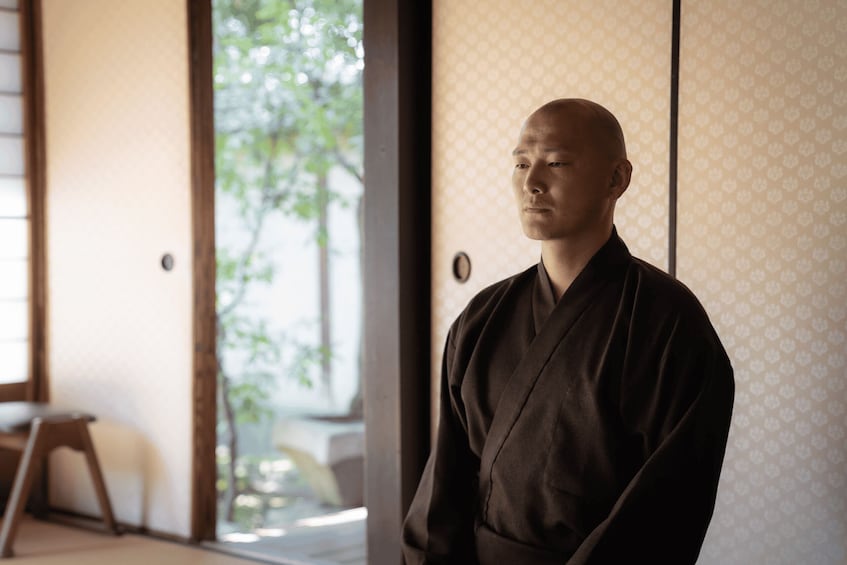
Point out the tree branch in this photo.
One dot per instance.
(348, 166)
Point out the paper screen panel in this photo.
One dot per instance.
(762, 238)
(494, 62)
(118, 198)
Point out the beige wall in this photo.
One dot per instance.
(762, 212)
(763, 243)
(118, 183)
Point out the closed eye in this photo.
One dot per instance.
(556, 164)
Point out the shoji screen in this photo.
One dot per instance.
(763, 243)
(118, 198)
(496, 61)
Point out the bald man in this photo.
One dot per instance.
(585, 402)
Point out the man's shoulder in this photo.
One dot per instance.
(666, 313)
(655, 280)
(486, 301)
(496, 290)
(666, 296)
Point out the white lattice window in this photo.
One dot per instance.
(14, 214)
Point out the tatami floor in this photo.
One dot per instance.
(45, 543)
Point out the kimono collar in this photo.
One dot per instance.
(609, 259)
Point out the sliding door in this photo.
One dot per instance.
(763, 243)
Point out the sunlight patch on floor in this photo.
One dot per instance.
(240, 537)
(343, 517)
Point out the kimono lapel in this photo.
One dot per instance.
(543, 299)
(603, 267)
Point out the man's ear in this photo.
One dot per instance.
(621, 175)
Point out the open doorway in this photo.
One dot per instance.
(289, 182)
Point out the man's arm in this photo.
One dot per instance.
(439, 525)
(683, 417)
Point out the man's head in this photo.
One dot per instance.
(570, 169)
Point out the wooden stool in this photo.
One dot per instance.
(36, 428)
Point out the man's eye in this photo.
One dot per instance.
(556, 164)
(521, 166)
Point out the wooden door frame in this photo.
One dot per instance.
(201, 111)
(396, 365)
(397, 276)
(35, 143)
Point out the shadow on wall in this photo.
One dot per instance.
(130, 465)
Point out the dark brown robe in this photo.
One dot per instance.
(591, 430)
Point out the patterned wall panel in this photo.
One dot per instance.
(496, 61)
(118, 193)
(763, 243)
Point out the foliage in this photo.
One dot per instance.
(288, 109)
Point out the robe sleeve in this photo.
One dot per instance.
(679, 408)
(439, 526)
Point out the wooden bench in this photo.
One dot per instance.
(35, 429)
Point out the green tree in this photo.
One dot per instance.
(288, 110)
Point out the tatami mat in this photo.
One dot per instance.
(46, 543)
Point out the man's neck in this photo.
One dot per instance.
(564, 259)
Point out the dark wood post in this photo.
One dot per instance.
(397, 77)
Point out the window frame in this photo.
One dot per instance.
(35, 387)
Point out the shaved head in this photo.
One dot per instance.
(570, 167)
(596, 122)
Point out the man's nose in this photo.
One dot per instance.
(533, 183)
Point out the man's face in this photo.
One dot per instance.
(563, 177)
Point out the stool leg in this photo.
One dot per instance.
(38, 496)
(23, 481)
(97, 477)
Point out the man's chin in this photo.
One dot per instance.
(537, 235)
(541, 231)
